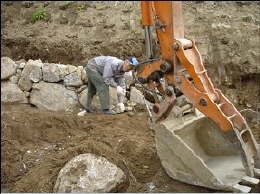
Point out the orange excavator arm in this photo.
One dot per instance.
(180, 65)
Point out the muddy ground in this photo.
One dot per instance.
(36, 144)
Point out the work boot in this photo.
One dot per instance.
(89, 111)
(109, 112)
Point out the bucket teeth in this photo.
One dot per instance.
(241, 188)
(250, 180)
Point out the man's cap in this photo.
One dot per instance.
(133, 61)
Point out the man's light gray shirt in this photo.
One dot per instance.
(109, 67)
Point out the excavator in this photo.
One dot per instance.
(201, 138)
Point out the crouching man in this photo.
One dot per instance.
(104, 72)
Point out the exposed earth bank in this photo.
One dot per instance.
(36, 144)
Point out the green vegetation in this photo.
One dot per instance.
(82, 7)
(39, 15)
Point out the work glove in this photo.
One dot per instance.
(120, 90)
(120, 108)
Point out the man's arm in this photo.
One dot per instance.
(108, 75)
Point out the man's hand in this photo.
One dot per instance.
(120, 90)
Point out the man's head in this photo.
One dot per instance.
(129, 64)
(133, 61)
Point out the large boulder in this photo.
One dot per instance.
(88, 173)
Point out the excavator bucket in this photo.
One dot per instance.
(192, 146)
(193, 150)
(206, 141)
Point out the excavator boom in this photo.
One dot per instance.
(201, 138)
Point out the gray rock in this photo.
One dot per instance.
(52, 96)
(8, 68)
(12, 93)
(90, 173)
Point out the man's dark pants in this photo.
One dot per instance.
(96, 84)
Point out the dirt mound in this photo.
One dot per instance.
(70, 32)
(36, 144)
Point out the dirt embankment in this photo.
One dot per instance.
(36, 144)
(226, 34)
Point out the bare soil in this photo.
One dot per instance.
(36, 144)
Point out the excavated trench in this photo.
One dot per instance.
(68, 51)
(237, 87)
